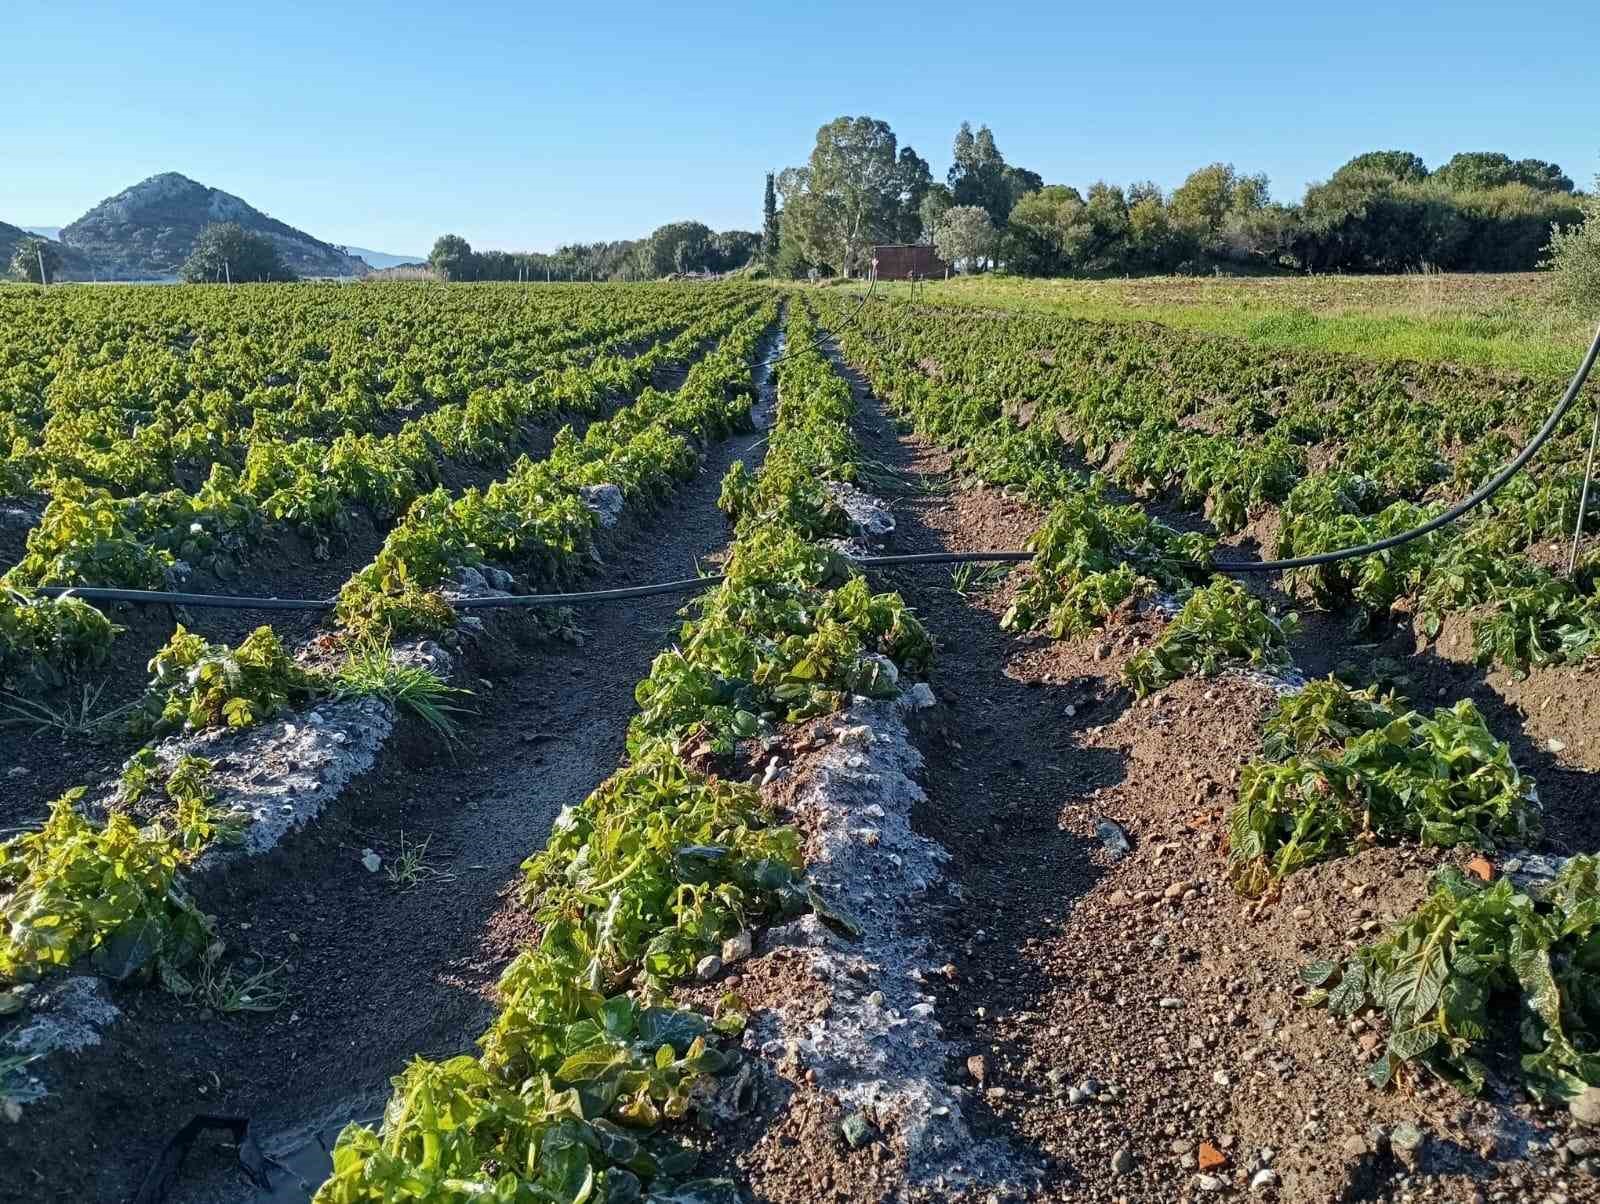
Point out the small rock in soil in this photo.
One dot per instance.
(1122, 1160)
(371, 860)
(857, 1131)
(1407, 1141)
(1585, 1107)
(1112, 837)
(736, 948)
(708, 967)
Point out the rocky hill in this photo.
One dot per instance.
(147, 231)
(75, 264)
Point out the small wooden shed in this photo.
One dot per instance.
(900, 261)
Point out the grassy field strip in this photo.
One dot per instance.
(1506, 323)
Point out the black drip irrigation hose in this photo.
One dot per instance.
(1470, 502)
(691, 584)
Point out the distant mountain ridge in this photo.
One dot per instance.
(373, 259)
(382, 259)
(146, 232)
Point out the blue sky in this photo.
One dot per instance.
(525, 125)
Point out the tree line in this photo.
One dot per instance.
(677, 247)
(1383, 211)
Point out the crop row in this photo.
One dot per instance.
(134, 392)
(89, 537)
(1340, 767)
(1322, 451)
(655, 870)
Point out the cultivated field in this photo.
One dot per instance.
(1109, 875)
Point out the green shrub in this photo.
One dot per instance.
(1574, 258)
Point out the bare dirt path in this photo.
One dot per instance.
(376, 973)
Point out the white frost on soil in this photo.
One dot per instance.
(606, 502)
(484, 582)
(284, 772)
(70, 1016)
(276, 776)
(869, 517)
(879, 1048)
(281, 774)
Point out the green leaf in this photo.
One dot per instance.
(128, 948)
(617, 1016)
(1316, 973)
(698, 1191)
(1347, 996)
(592, 1063)
(677, 1027)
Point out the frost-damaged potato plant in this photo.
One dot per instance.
(648, 875)
(1220, 626)
(792, 632)
(455, 1133)
(111, 892)
(41, 637)
(1092, 557)
(683, 861)
(197, 685)
(1472, 956)
(1344, 766)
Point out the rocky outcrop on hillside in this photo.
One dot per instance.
(147, 231)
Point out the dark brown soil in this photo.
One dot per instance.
(376, 973)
